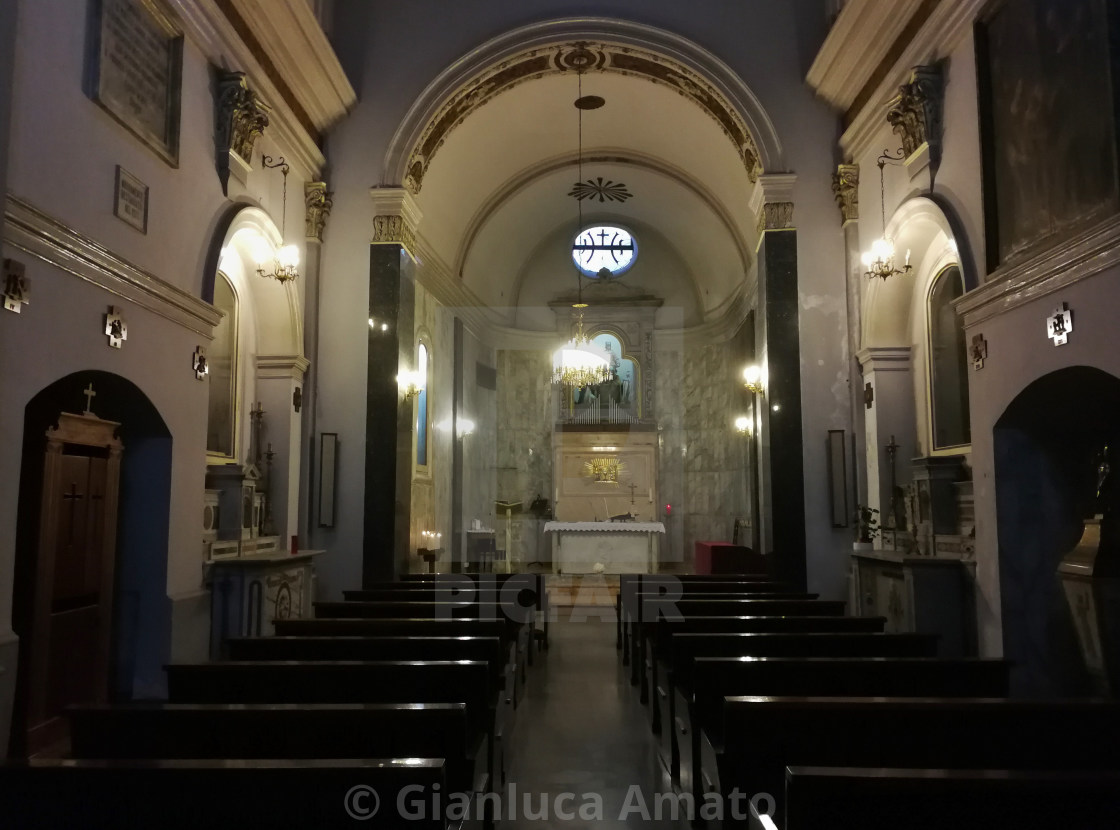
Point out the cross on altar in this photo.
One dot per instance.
(633, 487)
(90, 395)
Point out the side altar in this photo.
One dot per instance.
(620, 547)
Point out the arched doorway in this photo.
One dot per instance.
(56, 665)
(1046, 445)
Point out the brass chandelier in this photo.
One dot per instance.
(879, 261)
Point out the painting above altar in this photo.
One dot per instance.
(605, 547)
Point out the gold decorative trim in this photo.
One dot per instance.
(776, 216)
(30, 229)
(393, 230)
(845, 187)
(579, 56)
(318, 202)
(915, 114)
(241, 117)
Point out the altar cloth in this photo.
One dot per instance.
(605, 547)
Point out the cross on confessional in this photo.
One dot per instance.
(73, 497)
(90, 395)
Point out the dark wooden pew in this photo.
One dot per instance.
(489, 649)
(933, 799)
(629, 585)
(687, 608)
(60, 794)
(465, 682)
(534, 582)
(298, 731)
(407, 627)
(672, 679)
(764, 735)
(700, 716)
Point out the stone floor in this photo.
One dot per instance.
(582, 731)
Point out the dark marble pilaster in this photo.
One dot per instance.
(388, 479)
(778, 308)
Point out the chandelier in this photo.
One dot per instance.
(580, 362)
(879, 261)
(285, 262)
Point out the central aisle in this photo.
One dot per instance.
(581, 730)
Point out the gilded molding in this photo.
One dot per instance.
(393, 230)
(318, 202)
(777, 216)
(241, 117)
(845, 187)
(579, 56)
(916, 113)
(41, 235)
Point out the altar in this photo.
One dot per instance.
(620, 547)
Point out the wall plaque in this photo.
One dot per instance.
(130, 201)
(135, 69)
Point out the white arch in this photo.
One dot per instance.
(628, 33)
(276, 305)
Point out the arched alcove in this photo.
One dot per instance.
(1046, 444)
(141, 635)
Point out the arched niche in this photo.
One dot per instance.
(1045, 486)
(140, 642)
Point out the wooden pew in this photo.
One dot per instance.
(465, 682)
(631, 584)
(406, 627)
(488, 649)
(934, 799)
(297, 731)
(700, 735)
(64, 794)
(534, 582)
(687, 608)
(764, 735)
(672, 678)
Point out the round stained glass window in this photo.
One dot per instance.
(604, 251)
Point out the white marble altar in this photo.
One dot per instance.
(620, 547)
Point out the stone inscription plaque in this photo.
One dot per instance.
(137, 70)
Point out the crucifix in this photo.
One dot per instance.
(90, 395)
(868, 395)
(633, 487)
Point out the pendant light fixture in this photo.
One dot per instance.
(879, 261)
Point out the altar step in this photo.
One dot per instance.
(567, 590)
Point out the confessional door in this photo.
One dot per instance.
(71, 626)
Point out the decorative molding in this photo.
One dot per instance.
(240, 118)
(845, 187)
(396, 218)
(282, 366)
(318, 202)
(578, 56)
(884, 359)
(947, 25)
(917, 112)
(35, 232)
(842, 68)
(217, 37)
(297, 46)
(1055, 269)
(777, 216)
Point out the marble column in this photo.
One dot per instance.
(278, 378)
(389, 421)
(781, 446)
(317, 203)
(890, 413)
(845, 186)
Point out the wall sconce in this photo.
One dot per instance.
(464, 427)
(285, 262)
(743, 425)
(752, 379)
(409, 383)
